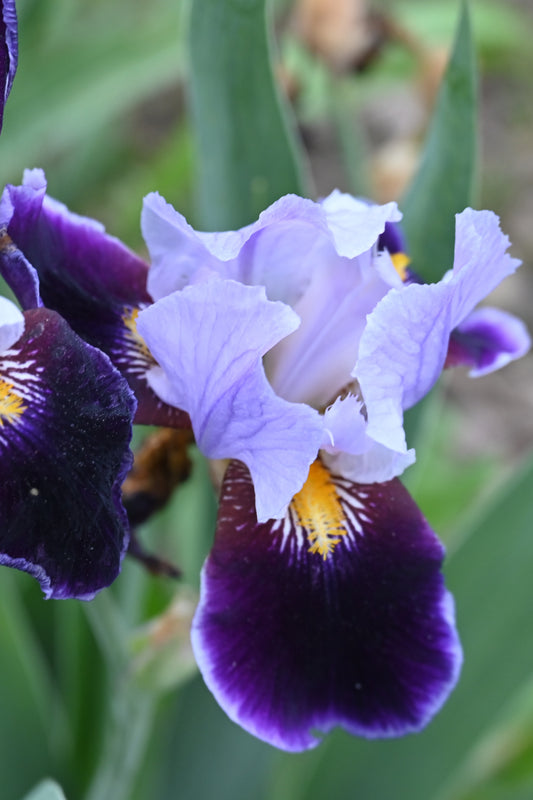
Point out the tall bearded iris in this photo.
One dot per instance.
(294, 345)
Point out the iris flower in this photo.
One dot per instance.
(65, 427)
(295, 346)
(292, 347)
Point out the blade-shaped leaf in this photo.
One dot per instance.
(247, 156)
(444, 183)
(47, 790)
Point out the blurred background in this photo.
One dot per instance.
(100, 102)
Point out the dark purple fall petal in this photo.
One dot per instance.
(18, 273)
(487, 340)
(8, 51)
(65, 428)
(293, 643)
(90, 278)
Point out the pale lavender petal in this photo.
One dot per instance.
(209, 340)
(349, 451)
(280, 251)
(315, 363)
(356, 225)
(481, 260)
(487, 340)
(377, 464)
(11, 324)
(403, 348)
(281, 258)
(345, 426)
(295, 635)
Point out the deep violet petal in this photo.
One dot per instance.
(293, 644)
(93, 280)
(65, 428)
(487, 340)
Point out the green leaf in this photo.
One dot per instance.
(444, 183)
(47, 790)
(247, 156)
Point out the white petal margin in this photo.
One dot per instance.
(404, 345)
(11, 324)
(209, 340)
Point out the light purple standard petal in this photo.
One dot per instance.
(356, 225)
(314, 364)
(209, 340)
(65, 428)
(487, 340)
(293, 642)
(280, 251)
(404, 345)
(277, 251)
(8, 51)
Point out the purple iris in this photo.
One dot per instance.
(65, 428)
(65, 425)
(294, 346)
(68, 263)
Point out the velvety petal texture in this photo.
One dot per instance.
(404, 345)
(89, 277)
(65, 428)
(336, 615)
(8, 51)
(209, 340)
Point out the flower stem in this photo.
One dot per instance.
(132, 712)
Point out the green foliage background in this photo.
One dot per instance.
(100, 102)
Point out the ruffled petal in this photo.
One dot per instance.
(405, 342)
(354, 224)
(349, 451)
(336, 615)
(487, 340)
(315, 363)
(8, 51)
(280, 251)
(209, 340)
(89, 277)
(345, 426)
(65, 428)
